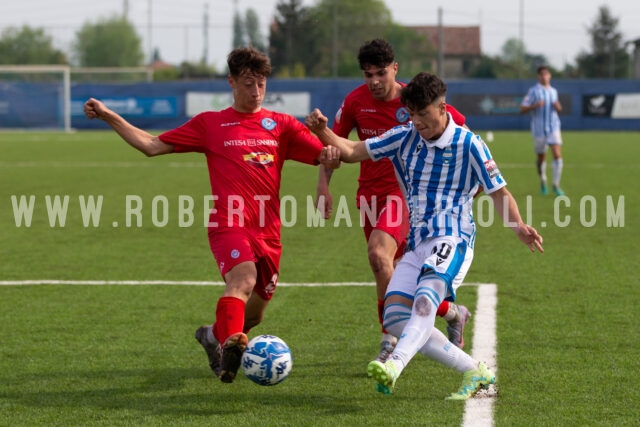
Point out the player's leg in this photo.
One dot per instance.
(397, 313)
(235, 257)
(230, 315)
(381, 248)
(540, 148)
(384, 231)
(557, 164)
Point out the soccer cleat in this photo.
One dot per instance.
(543, 189)
(211, 348)
(558, 191)
(455, 328)
(385, 374)
(473, 381)
(232, 356)
(386, 348)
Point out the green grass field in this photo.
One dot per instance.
(125, 355)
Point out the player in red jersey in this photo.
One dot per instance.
(245, 147)
(373, 108)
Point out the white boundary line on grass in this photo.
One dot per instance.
(478, 412)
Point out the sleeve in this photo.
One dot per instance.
(529, 98)
(344, 120)
(457, 116)
(386, 145)
(188, 137)
(484, 167)
(301, 145)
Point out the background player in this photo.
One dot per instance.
(542, 103)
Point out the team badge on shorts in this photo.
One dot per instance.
(268, 124)
(235, 253)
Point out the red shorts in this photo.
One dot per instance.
(231, 246)
(391, 216)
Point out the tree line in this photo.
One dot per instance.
(317, 41)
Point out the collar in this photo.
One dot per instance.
(445, 139)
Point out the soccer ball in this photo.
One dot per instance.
(267, 360)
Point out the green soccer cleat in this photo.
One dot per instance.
(558, 191)
(473, 381)
(385, 374)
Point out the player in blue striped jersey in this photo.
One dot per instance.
(541, 102)
(440, 165)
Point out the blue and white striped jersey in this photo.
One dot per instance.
(544, 120)
(439, 178)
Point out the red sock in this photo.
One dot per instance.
(229, 318)
(380, 313)
(443, 308)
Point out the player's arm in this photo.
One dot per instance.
(507, 208)
(139, 139)
(557, 106)
(350, 151)
(324, 199)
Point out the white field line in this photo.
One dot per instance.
(478, 412)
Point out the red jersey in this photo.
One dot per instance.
(245, 153)
(372, 117)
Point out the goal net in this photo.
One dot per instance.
(35, 97)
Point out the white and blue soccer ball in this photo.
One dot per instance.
(267, 360)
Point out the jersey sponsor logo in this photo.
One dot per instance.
(402, 115)
(264, 159)
(491, 168)
(268, 124)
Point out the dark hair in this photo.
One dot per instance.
(542, 68)
(377, 52)
(245, 60)
(422, 90)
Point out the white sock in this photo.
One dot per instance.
(441, 350)
(542, 171)
(429, 294)
(556, 168)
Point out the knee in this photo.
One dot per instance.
(379, 259)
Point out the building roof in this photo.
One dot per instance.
(462, 41)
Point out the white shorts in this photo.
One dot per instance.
(540, 143)
(445, 257)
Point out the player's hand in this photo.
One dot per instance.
(330, 157)
(316, 121)
(530, 237)
(94, 109)
(324, 202)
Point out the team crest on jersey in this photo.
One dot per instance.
(268, 123)
(402, 115)
(447, 155)
(263, 159)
